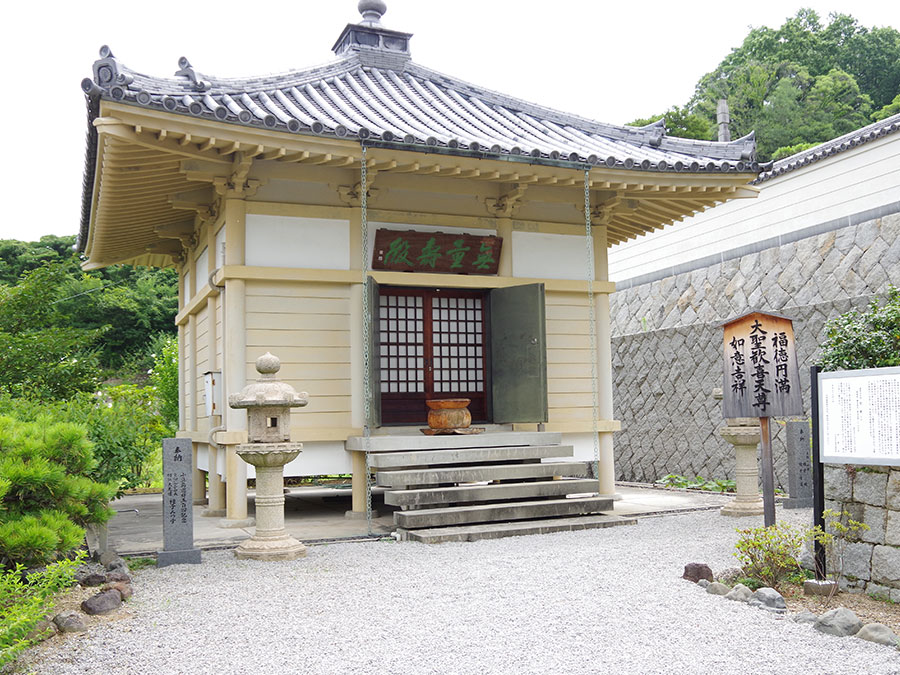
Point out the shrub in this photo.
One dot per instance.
(46, 494)
(770, 554)
(164, 377)
(25, 600)
(125, 426)
(868, 340)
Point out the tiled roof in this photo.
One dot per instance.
(378, 95)
(867, 134)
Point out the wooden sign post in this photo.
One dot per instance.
(761, 379)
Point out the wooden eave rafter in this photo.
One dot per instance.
(142, 155)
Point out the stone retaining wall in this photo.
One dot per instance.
(870, 495)
(667, 352)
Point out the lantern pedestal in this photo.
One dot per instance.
(745, 439)
(268, 403)
(270, 541)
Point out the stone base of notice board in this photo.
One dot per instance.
(190, 556)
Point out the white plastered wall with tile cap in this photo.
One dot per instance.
(855, 180)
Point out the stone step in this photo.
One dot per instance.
(409, 442)
(421, 458)
(492, 492)
(439, 535)
(486, 513)
(478, 474)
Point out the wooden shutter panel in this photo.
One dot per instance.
(518, 354)
(371, 290)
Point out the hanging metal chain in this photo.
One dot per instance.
(592, 319)
(367, 335)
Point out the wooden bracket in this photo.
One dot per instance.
(507, 204)
(237, 185)
(352, 196)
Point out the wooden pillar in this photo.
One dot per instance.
(234, 364)
(504, 231)
(607, 473)
(357, 364)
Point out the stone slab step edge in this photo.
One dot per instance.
(486, 513)
(424, 458)
(477, 474)
(439, 535)
(492, 492)
(404, 442)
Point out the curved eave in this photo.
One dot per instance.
(144, 159)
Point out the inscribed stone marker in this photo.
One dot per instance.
(799, 466)
(178, 515)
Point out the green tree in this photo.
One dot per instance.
(41, 357)
(869, 339)
(891, 108)
(680, 122)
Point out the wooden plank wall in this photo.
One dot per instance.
(306, 325)
(570, 396)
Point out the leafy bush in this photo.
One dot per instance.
(770, 554)
(122, 422)
(164, 377)
(864, 340)
(46, 495)
(698, 483)
(26, 600)
(125, 425)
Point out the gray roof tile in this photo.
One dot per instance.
(387, 99)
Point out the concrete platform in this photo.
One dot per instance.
(315, 515)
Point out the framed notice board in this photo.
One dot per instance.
(859, 416)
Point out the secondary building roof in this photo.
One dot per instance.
(373, 93)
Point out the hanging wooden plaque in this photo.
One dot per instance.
(761, 377)
(412, 251)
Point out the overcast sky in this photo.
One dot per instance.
(611, 61)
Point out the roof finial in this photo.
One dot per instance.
(372, 11)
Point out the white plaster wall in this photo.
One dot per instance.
(288, 241)
(187, 288)
(549, 256)
(316, 459)
(320, 459)
(853, 181)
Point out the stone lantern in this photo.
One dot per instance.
(743, 434)
(268, 403)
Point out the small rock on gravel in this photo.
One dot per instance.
(739, 593)
(696, 571)
(124, 589)
(703, 583)
(43, 629)
(107, 557)
(717, 589)
(805, 617)
(768, 599)
(70, 622)
(94, 579)
(102, 603)
(841, 622)
(878, 632)
(119, 576)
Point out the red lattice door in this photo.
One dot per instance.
(431, 345)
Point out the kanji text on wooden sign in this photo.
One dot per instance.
(762, 377)
(435, 252)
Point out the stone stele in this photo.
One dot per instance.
(268, 403)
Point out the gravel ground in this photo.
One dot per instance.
(586, 602)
